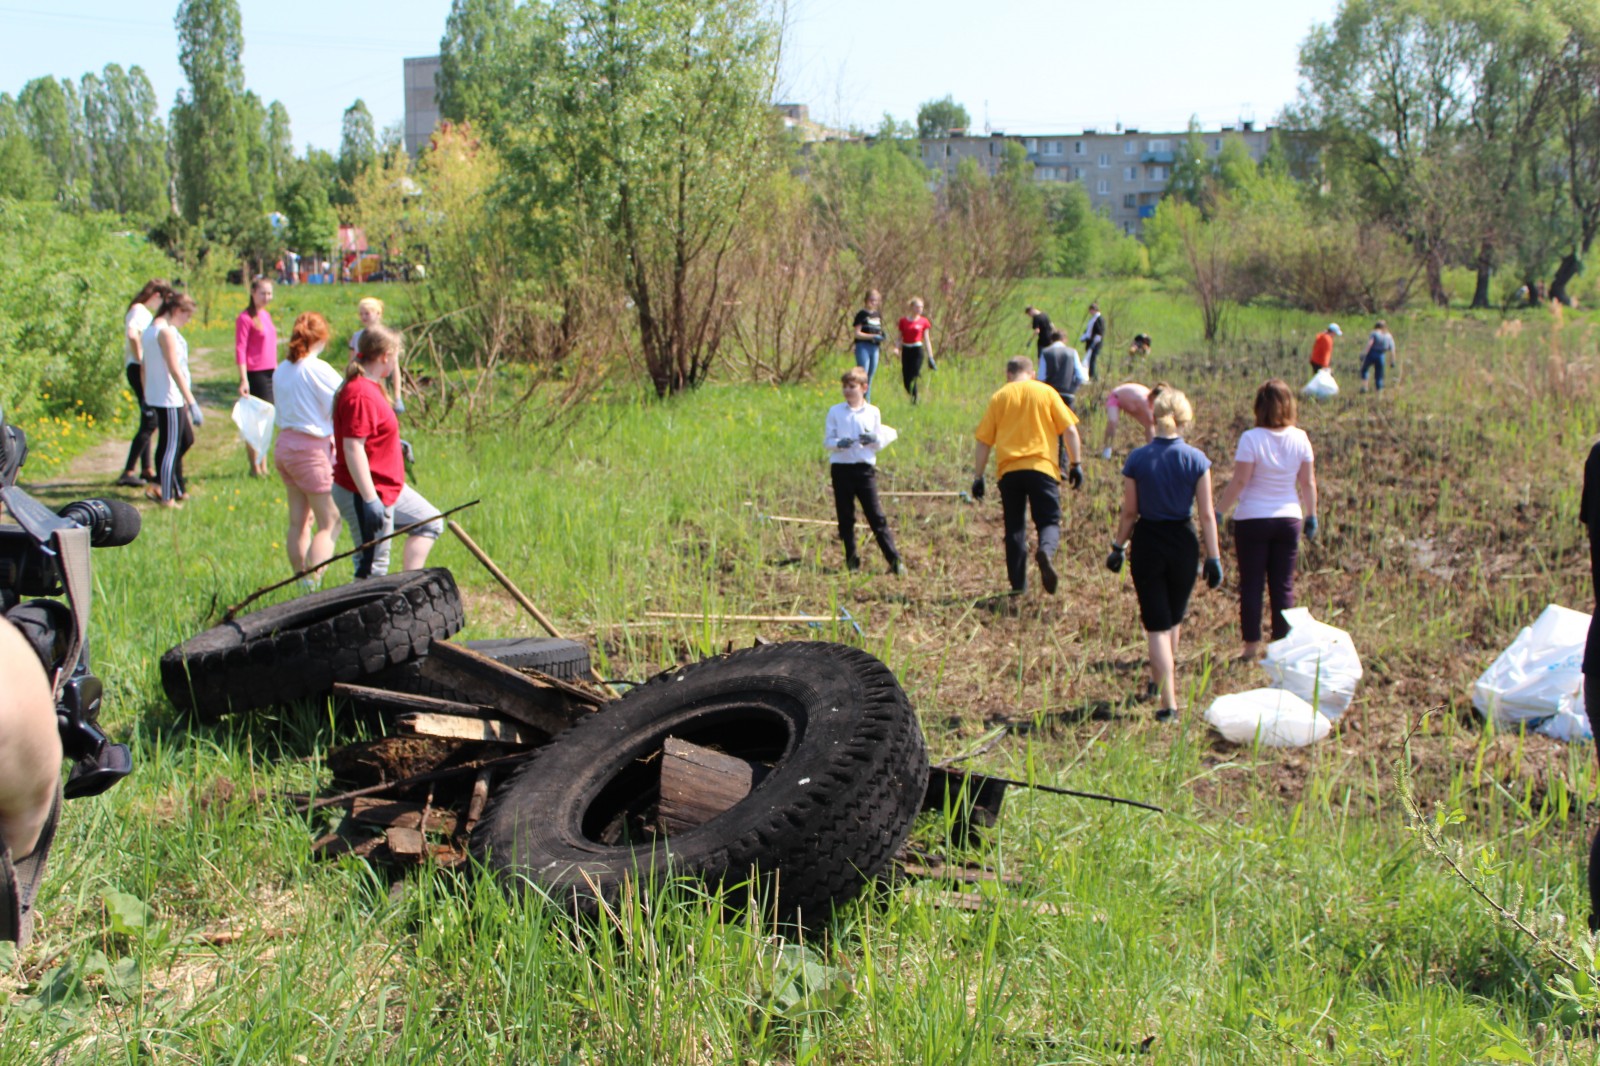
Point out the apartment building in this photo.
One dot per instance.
(422, 104)
(1125, 171)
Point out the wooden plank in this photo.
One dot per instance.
(404, 843)
(383, 699)
(371, 810)
(511, 693)
(457, 727)
(697, 783)
(336, 844)
(480, 799)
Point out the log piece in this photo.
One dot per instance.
(453, 726)
(511, 693)
(382, 699)
(405, 843)
(394, 814)
(697, 783)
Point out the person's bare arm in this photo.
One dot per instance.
(1306, 482)
(1208, 515)
(136, 345)
(1074, 445)
(355, 460)
(1129, 513)
(169, 352)
(980, 459)
(1242, 472)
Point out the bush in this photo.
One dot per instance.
(65, 282)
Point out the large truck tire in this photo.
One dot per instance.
(845, 772)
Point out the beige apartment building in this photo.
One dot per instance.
(1125, 171)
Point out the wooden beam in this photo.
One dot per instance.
(383, 699)
(456, 727)
(396, 814)
(509, 692)
(697, 783)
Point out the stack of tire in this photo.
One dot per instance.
(842, 758)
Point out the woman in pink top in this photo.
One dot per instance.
(1135, 399)
(255, 349)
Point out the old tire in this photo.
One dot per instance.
(564, 659)
(848, 769)
(299, 649)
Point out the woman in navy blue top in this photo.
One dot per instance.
(1162, 483)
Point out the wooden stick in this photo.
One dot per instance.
(500, 576)
(409, 782)
(881, 494)
(793, 619)
(228, 615)
(807, 521)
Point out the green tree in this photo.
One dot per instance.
(480, 38)
(278, 149)
(313, 228)
(1191, 170)
(936, 118)
(23, 174)
(211, 140)
(358, 143)
(52, 113)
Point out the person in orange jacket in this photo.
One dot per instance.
(1322, 347)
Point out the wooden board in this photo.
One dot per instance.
(510, 693)
(697, 784)
(457, 727)
(383, 699)
(374, 810)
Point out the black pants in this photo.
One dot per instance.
(1094, 354)
(859, 481)
(911, 367)
(1591, 705)
(176, 437)
(260, 382)
(1020, 491)
(1268, 549)
(139, 450)
(1164, 557)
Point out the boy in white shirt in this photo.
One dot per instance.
(854, 433)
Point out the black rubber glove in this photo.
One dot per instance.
(1075, 476)
(1213, 572)
(407, 453)
(369, 517)
(1311, 527)
(1114, 560)
(977, 487)
(868, 439)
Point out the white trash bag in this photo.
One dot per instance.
(254, 416)
(1275, 717)
(1538, 680)
(1321, 386)
(1315, 661)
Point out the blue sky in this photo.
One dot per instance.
(1029, 66)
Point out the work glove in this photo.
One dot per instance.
(370, 518)
(868, 439)
(1213, 572)
(931, 364)
(977, 487)
(1311, 527)
(844, 443)
(1075, 476)
(195, 416)
(1114, 560)
(399, 406)
(407, 454)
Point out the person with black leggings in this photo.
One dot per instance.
(1589, 515)
(255, 349)
(140, 468)
(853, 433)
(166, 389)
(1162, 483)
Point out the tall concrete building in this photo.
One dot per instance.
(422, 105)
(1125, 171)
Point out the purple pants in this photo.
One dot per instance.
(1267, 549)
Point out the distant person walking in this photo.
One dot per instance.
(1041, 326)
(914, 347)
(1093, 337)
(853, 433)
(1162, 483)
(1021, 424)
(166, 388)
(1589, 515)
(140, 468)
(1275, 485)
(1062, 370)
(867, 335)
(255, 349)
(1322, 347)
(1133, 399)
(303, 454)
(369, 309)
(1380, 350)
(369, 474)
(1140, 345)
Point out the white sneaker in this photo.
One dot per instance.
(1106, 454)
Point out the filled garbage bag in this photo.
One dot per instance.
(254, 416)
(1538, 680)
(1273, 717)
(1316, 661)
(1321, 386)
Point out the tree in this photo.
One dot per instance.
(358, 143)
(211, 142)
(936, 118)
(1578, 144)
(23, 174)
(278, 150)
(52, 113)
(313, 228)
(480, 37)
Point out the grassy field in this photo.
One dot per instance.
(1279, 912)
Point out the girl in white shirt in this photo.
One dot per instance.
(140, 469)
(304, 387)
(1275, 485)
(166, 388)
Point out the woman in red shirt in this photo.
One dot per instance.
(369, 471)
(255, 349)
(914, 346)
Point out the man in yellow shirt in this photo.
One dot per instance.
(1022, 424)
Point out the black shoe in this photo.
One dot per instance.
(897, 568)
(1149, 694)
(852, 562)
(1047, 571)
(130, 481)
(1166, 714)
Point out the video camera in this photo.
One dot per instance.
(46, 553)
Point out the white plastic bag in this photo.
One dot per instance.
(1321, 386)
(254, 416)
(1315, 661)
(1539, 677)
(1273, 716)
(887, 435)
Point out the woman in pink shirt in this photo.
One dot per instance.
(255, 349)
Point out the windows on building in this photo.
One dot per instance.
(1216, 144)
(1128, 200)
(1052, 147)
(1158, 173)
(1031, 144)
(1077, 147)
(1160, 146)
(1130, 173)
(1105, 159)
(1130, 147)
(1077, 173)
(1103, 187)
